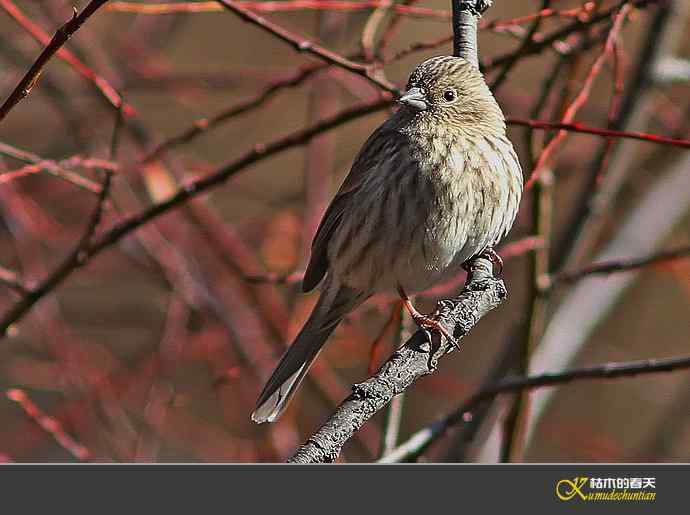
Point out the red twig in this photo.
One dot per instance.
(614, 109)
(50, 166)
(54, 47)
(581, 98)
(289, 6)
(599, 131)
(49, 424)
(59, 169)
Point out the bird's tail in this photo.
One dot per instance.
(332, 306)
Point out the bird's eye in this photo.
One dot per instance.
(450, 95)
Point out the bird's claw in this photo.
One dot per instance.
(429, 324)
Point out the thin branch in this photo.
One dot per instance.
(341, 6)
(59, 169)
(420, 46)
(26, 84)
(421, 440)
(299, 43)
(599, 131)
(49, 424)
(600, 189)
(97, 214)
(416, 358)
(203, 125)
(371, 28)
(581, 13)
(622, 265)
(392, 29)
(508, 66)
(404, 328)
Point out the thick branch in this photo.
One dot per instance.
(416, 358)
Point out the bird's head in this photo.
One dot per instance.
(448, 93)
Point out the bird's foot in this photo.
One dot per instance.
(431, 324)
(426, 322)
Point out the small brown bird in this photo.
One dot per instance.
(433, 187)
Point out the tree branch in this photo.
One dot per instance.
(415, 359)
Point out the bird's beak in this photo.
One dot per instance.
(414, 98)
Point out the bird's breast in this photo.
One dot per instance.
(415, 224)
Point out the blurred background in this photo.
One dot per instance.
(156, 348)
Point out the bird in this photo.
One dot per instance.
(435, 186)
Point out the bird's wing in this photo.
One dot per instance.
(378, 150)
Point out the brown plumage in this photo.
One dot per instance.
(434, 186)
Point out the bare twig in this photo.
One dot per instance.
(621, 265)
(37, 163)
(97, 214)
(31, 77)
(301, 44)
(203, 125)
(49, 424)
